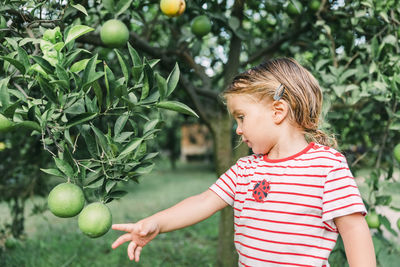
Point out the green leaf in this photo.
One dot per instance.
(109, 5)
(90, 70)
(89, 140)
(76, 108)
(122, 5)
(117, 194)
(173, 79)
(122, 137)
(64, 167)
(162, 85)
(62, 73)
(23, 58)
(67, 137)
(46, 66)
(124, 67)
(18, 65)
(53, 172)
(109, 80)
(4, 94)
(147, 81)
(99, 93)
(81, 118)
(96, 183)
(134, 56)
(131, 146)
(80, 8)
(28, 125)
(72, 56)
(110, 185)
(145, 169)
(79, 65)
(120, 124)
(150, 125)
(176, 106)
(10, 110)
(102, 139)
(77, 31)
(48, 90)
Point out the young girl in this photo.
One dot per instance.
(291, 198)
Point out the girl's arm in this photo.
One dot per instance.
(187, 212)
(357, 240)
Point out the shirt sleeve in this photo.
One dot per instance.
(225, 186)
(341, 195)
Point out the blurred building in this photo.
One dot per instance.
(196, 142)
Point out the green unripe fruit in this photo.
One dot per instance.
(95, 220)
(5, 124)
(201, 25)
(373, 220)
(294, 8)
(114, 33)
(314, 5)
(66, 200)
(396, 152)
(11, 243)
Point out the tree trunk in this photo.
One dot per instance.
(17, 212)
(221, 130)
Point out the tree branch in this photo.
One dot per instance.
(235, 46)
(275, 45)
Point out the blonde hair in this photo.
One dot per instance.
(301, 91)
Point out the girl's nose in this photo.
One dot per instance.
(239, 131)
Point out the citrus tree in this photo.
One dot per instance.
(351, 47)
(94, 121)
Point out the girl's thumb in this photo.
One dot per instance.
(144, 232)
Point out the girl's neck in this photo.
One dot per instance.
(289, 143)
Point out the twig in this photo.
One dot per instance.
(45, 147)
(54, 140)
(76, 141)
(21, 90)
(351, 59)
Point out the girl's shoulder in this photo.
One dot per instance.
(322, 151)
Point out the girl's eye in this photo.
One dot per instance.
(240, 118)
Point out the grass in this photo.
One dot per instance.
(53, 241)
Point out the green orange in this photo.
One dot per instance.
(66, 200)
(396, 152)
(373, 220)
(95, 220)
(5, 124)
(294, 8)
(201, 25)
(314, 5)
(114, 33)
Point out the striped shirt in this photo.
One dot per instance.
(284, 209)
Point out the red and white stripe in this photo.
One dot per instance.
(294, 225)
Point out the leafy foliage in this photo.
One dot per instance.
(95, 124)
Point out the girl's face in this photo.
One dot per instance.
(254, 122)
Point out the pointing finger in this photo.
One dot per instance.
(120, 240)
(127, 227)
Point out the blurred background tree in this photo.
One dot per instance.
(352, 47)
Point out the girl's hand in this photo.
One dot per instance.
(139, 234)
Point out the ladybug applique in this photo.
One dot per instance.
(260, 190)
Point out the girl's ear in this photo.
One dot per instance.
(280, 110)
